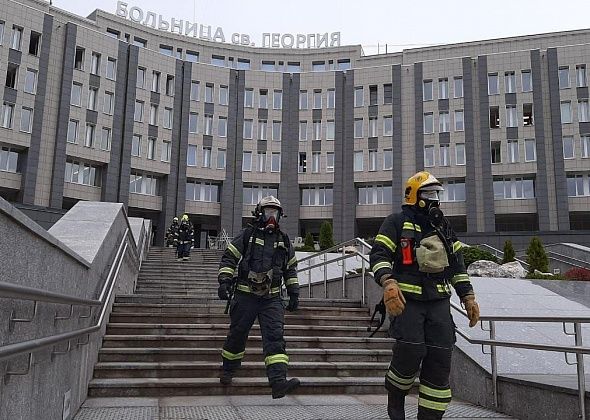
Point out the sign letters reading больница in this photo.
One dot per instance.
(197, 30)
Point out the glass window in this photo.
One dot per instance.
(317, 130)
(585, 145)
(79, 59)
(513, 155)
(372, 126)
(136, 145)
(195, 90)
(156, 81)
(387, 159)
(76, 96)
(330, 162)
(73, 131)
(293, 67)
(193, 122)
(217, 60)
(459, 122)
(140, 82)
(1, 32)
(581, 79)
(583, 114)
(105, 139)
(208, 125)
(510, 82)
(427, 90)
(331, 99)
(568, 147)
(330, 130)
(428, 156)
(358, 128)
(138, 115)
(303, 99)
(530, 150)
(387, 93)
(527, 115)
(315, 162)
(192, 56)
(17, 36)
(373, 95)
(206, 157)
(566, 112)
(268, 66)
(151, 148)
(95, 63)
(248, 129)
(7, 115)
(302, 130)
(494, 117)
(209, 92)
(167, 123)
(275, 164)
(111, 72)
(388, 125)
(31, 81)
(318, 66)
(302, 167)
(358, 161)
(222, 127)
(247, 161)
(317, 99)
(277, 100)
(444, 124)
(12, 76)
(249, 98)
(263, 99)
(109, 103)
(444, 159)
(358, 96)
(428, 123)
(262, 129)
(458, 87)
(166, 50)
(221, 158)
(223, 95)
(493, 88)
(564, 77)
(372, 160)
(496, 151)
(153, 114)
(277, 128)
(443, 88)
(92, 95)
(26, 119)
(460, 154)
(511, 116)
(166, 151)
(527, 81)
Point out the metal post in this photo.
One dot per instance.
(325, 277)
(363, 270)
(494, 364)
(343, 273)
(309, 277)
(581, 377)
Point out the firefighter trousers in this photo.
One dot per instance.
(244, 309)
(425, 335)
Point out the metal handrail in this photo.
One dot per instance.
(12, 350)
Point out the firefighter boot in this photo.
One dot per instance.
(226, 377)
(428, 414)
(395, 406)
(280, 389)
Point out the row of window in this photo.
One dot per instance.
(514, 188)
(137, 147)
(202, 191)
(7, 117)
(82, 173)
(16, 39)
(91, 138)
(578, 185)
(108, 103)
(167, 116)
(8, 159)
(567, 114)
(30, 82)
(513, 151)
(569, 147)
(443, 88)
(142, 183)
(191, 157)
(443, 153)
(564, 76)
(261, 162)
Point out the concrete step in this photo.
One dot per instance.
(178, 354)
(162, 298)
(198, 370)
(222, 329)
(206, 290)
(255, 341)
(178, 283)
(160, 387)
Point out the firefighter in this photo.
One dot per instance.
(261, 257)
(184, 236)
(171, 233)
(416, 257)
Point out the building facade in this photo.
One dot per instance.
(103, 108)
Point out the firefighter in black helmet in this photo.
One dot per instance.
(260, 258)
(417, 258)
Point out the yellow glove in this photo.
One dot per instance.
(472, 309)
(392, 297)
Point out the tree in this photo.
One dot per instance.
(536, 257)
(509, 254)
(472, 254)
(309, 243)
(326, 235)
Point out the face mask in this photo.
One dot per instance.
(270, 218)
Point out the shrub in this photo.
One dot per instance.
(509, 254)
(472, 254)
(578, 273)
(539, 276)
(536, 257)
(326, 235)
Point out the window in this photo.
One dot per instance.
(138, 115)
(247, 129)
(575, 185)
(495, 149)
(95, 63)
(79, 59)
(109, 103)
(26, 119)
(76, 96)
(513, 156)
(509, 82)
(1, 32)
(138, 42)
(277, 99)
(358, 96)
(89, 139)
(568, 147)
(530, 150)
(317, 196)
(277, 128)
(511, 116)
(317, 130)
(136, 145)
(330, 162)
(202, 191)
(459, 121)
(243, 64)
(167, 123)
(263, 99)
(222, 127)
(387, 94)
(247, 161)
(261, 162)
(82, 173)
(460, 154)
(252, 195)
(153, 114)
(358, 128)
(105, 139)
(151, 147)
(318, 66)
(330, 130)
(111, 68)
(331, 99)
(302, 165)
(317, 99)
(17, 36)
(31, 81)
(8, 157)
(493, 88)
(585, 146)
(113, 33)
(374, 194)
(513, 188)
(344, 64)
(458, 87)
(206, 157)
(303, 99)
(166, 50)
(193, 122)
(527, 115)
(581, 79)
(372, 160)
(564, 77)
(166, 151)
(73, 132)
(262, 129)
(387, 159)
(192, 56)
(388, 125)
(275, 162)
(208, 125)
(583, 114)
(453, 191)
(248, 98)
(140, 82)
(218, 60)
(428, 123)
(11, 75)
(527, 81)
(427, 90)
(443, 155)
(169, 85)
(34, 42)
(443, 88)
(428, 156)
(92, 95)
(195, 90)
(494, 117)
(209, 88)
(221, 158)
(373, 95)
(156, 81)
(373, 127)
(141, 183)
(444, 123)
(566, 112)
(315, 162)
(7, 115)
(358, 161)
(191, 155)
(302, 130)
(268, 66)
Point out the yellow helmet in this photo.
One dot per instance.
(185, 217)
(418, 181)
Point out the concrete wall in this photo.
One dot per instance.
(73, 258)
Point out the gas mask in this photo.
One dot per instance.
(429, 203)
(270, 218)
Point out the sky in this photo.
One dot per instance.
(400, 24)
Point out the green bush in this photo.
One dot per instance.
(326, 235)
(538, 276)
(536, 257)
(308, 241)
(472, 254)
(509, 254)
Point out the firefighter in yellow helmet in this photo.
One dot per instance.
(416, 258)
(184, 235)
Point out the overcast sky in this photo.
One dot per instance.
(401, 24)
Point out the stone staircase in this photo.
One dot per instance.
(166, 339)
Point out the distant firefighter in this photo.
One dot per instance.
(184, 236)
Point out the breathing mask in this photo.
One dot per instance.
(270, 218)
(429, 203)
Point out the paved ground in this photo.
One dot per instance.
(301, 407)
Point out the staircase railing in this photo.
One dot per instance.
(219, 242)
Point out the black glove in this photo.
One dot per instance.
(293, 302)
(224, 290)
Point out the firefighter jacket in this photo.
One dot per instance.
(256, 250)
(171, 232)
(185, 233)
(407, 228)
